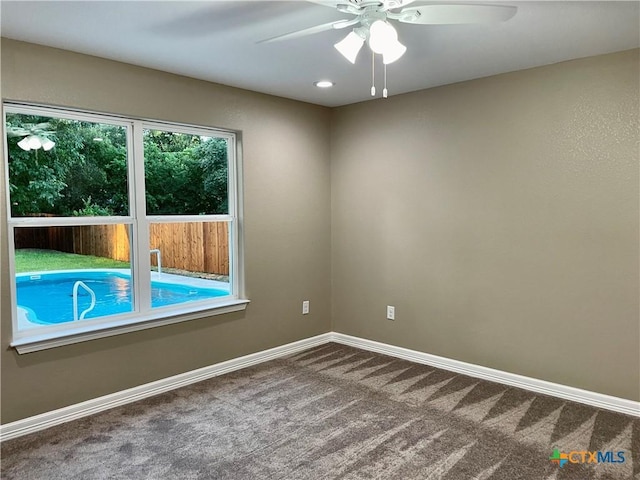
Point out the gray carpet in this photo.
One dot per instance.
(333, 412)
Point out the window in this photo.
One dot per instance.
(117, 223)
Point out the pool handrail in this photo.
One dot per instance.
(158, 258)
(76, 285)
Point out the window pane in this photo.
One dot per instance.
(57, 267)
(185, 174)
(62, 167)
(189, 262)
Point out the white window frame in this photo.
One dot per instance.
(143, 315)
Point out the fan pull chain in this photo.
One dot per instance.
(373, 74)
(384, 90)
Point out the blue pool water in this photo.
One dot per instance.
(48, 297)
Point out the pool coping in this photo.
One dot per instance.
(155, 276)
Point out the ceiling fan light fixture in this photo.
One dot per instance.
(393, 52)
(381, 36)
(35, 142)
(350, 46)
(24, 144)
(47, 144)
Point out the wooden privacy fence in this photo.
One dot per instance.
(111, 241)
(196, 246)
(193, 246)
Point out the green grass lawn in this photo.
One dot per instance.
(33, 260)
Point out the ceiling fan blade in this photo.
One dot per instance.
(452, 14)
(327, 3)
(312, 30)
(395, 4)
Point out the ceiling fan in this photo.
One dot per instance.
(372, 24)
(36, 136)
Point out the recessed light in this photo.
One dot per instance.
(324, 84)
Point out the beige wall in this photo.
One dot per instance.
(286, 206)
(500, 217)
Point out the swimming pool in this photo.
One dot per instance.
(47, 298)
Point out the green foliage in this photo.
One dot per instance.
(91, 209)
(186, 176)
(100, 158)
(212, 157)
(36, 180)
(85, 174)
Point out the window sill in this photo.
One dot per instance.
(77, 335)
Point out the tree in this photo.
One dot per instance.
(185, 175)
(36, 179)
(100, 171)
(212, 156)
(86, 172)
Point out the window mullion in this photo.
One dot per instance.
(234, 199)
(189, 218)
(140, 245)
(67, 221)
(12, 272)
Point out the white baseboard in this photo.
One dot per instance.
(600, 400)
(100, 404)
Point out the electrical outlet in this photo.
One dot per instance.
(305, 307)
(391, 312)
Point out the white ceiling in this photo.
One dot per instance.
(216, 41)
